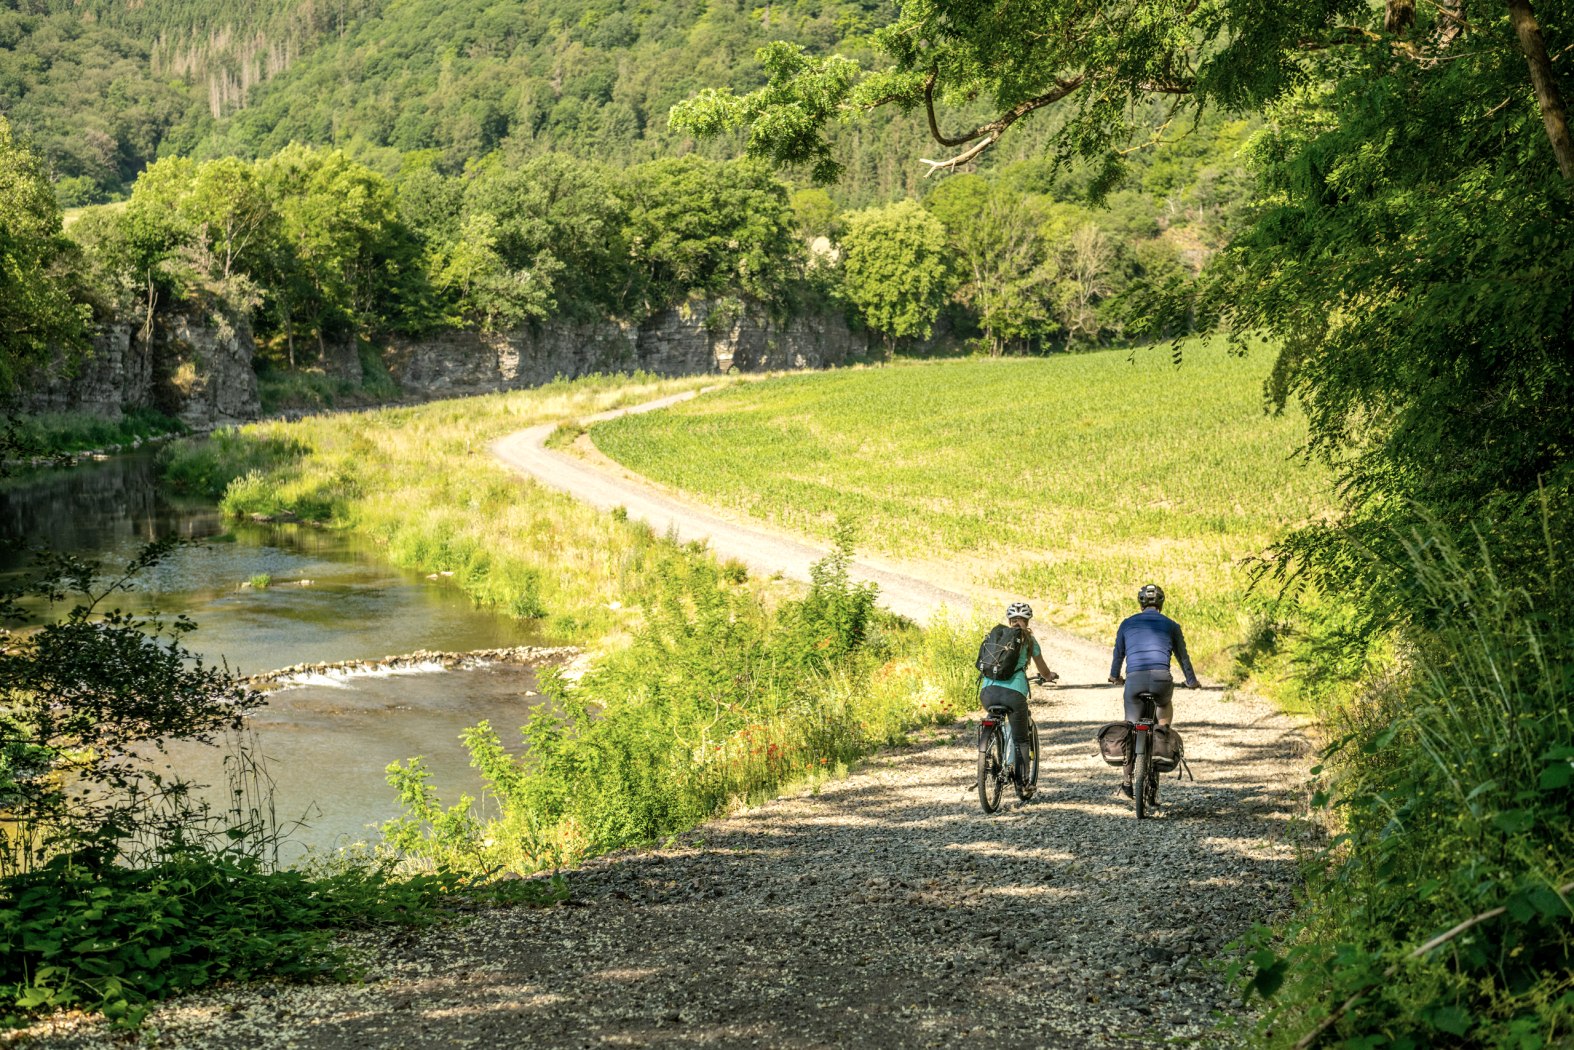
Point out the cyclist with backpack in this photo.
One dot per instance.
(1002, 667)
(1145, 642)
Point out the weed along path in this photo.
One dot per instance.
(882, 910)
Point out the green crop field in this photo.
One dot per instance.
(1067, 480)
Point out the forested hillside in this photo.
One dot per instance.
(106, 88)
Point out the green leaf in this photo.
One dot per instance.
(1268, 979)
(1548, 903)
(1455, 1020)
(1556, 777)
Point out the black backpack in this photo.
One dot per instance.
(1000, 652)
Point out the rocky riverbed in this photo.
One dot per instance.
(421, 659)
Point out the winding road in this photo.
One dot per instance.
(882, 910)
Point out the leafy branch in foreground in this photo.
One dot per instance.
(84, 702)
(1110, 64)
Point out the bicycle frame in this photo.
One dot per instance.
(1146, 787)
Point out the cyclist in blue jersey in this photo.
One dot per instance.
(1145, 643)
(1012, 693)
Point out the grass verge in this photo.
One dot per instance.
(1070, 480)
(53, 434)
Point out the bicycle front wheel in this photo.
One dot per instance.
(991, 771)
(1027, 783)
(1139, 783)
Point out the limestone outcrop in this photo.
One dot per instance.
(696, 338)
(196, 365)
(192, 365)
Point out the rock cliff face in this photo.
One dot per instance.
(116, 375)
(193, 366)
(203, 371)
(197, 365)
(700, 337)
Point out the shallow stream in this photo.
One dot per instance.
(329, 597)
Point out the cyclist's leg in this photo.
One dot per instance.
(1164, 700)
(1016, 709)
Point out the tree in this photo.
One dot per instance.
(347, 261)
(696, 225)
(1008, 274)
(558, 225)
(39, 311)
(1107, 62)
(894, 269)
(1086, 258)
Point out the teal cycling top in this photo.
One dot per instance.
(1017, 681)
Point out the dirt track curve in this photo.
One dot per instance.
(884, 911)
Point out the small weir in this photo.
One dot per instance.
(315, 636)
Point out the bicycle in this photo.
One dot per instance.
(998, 761)
(1144, 779)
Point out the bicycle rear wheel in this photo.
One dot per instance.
(1140, 776)
(1027, 784)
(992, 771)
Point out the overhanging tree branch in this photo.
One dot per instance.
(986, 135)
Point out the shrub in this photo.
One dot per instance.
(719, 700)
(1451, 786)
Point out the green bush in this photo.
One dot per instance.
(114, 940)
(1453, 789)
(718, 701)
(207, 466)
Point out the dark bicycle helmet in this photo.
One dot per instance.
(1151, 595)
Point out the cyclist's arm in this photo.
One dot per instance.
(1184, 658)
(1120, 654)
(1043, 668)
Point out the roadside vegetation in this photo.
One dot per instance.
(1069, 481)
(710, 688)
(117, 887)
(722, 698)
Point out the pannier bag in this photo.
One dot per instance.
(1112, 742)
(999, 653)
(1167, 747)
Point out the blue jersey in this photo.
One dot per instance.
(1145, 642)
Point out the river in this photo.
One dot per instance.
(330, 597)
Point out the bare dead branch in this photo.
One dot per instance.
(986, 135)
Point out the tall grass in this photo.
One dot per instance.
(1071, 480)
(60, 433)
(422, 482)
(720, 700)
(1451, 786)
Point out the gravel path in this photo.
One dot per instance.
(885, 910)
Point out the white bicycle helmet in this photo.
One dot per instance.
(1022, 609)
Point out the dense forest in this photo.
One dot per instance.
(479, 135)
(105, 88)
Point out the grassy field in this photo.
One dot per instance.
(1068, 480)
